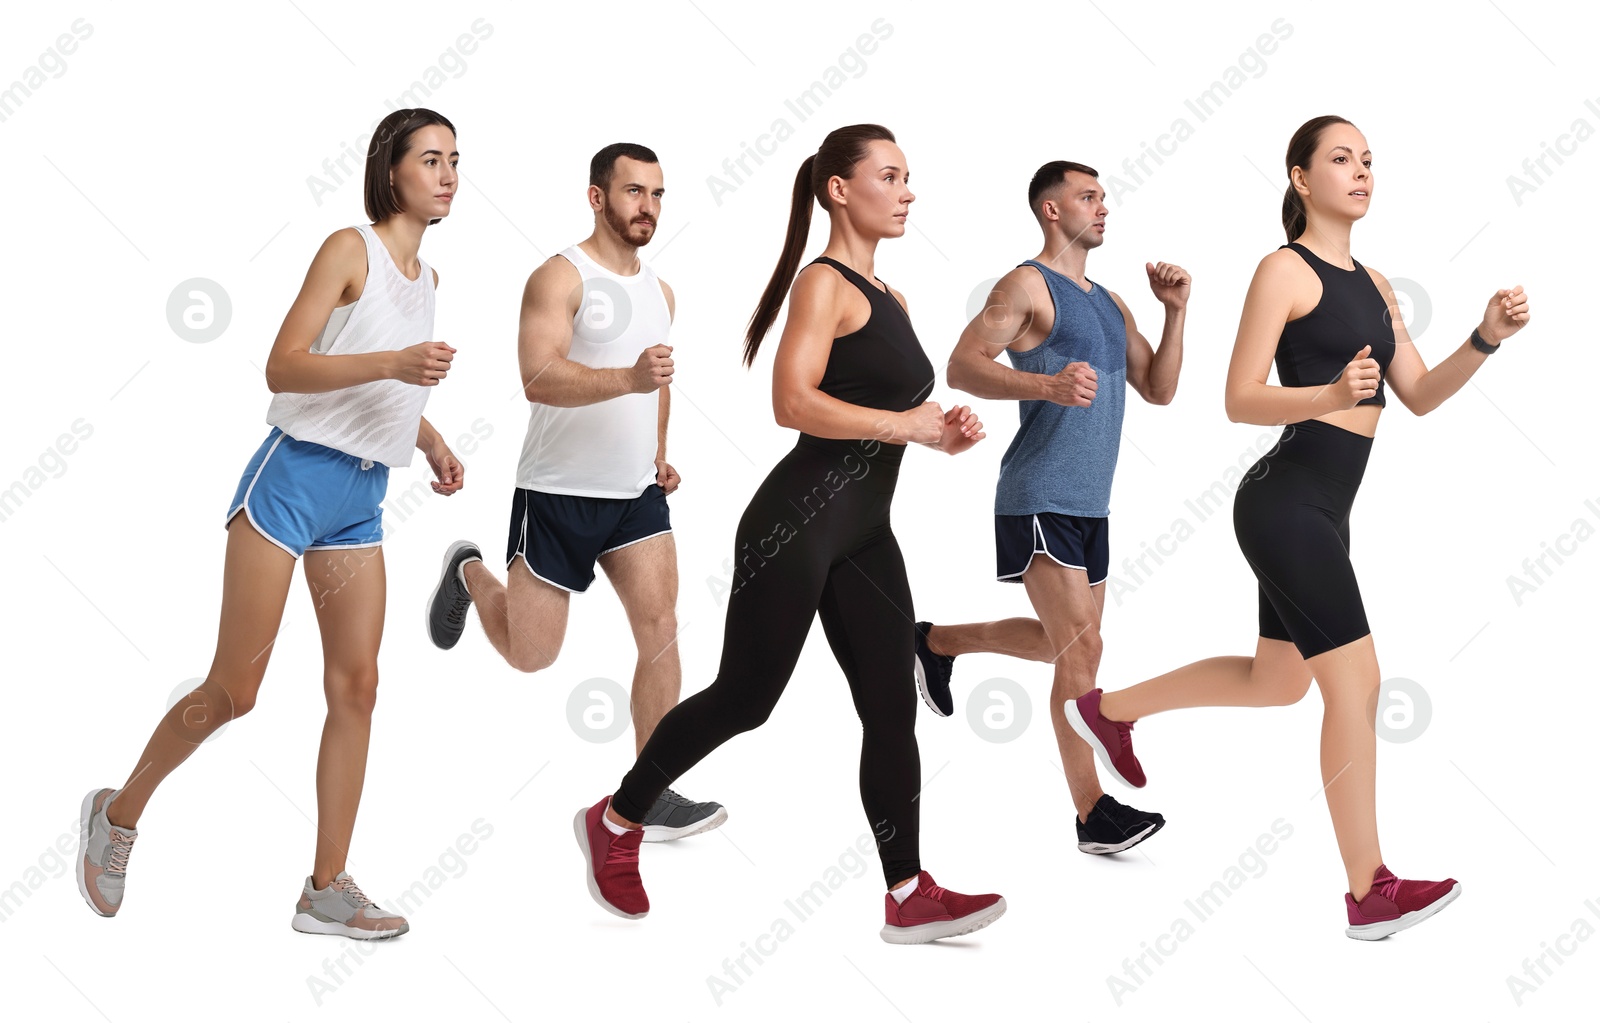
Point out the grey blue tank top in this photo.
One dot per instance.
(1063, 457)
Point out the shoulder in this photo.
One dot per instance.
(345, 244)
(818, 281)
(435, 277)
(1121, 305)
(1282, 265)
(554, 271)
(1378, 279)
(897, 296)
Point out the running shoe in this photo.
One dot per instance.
(343, 909)
(447, 607)
(613, 863)
(933, 674)
(1113, 827)
(932, 912)
(1393, 905)
(1111, 740)
(103, 850)
(676, 817)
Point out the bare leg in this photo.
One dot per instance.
(525, 620)
(1069, 611)
(1276, 676)
(255, 584)
(1348, 677)
(347, 587)
(1014, 637)
(645, 576)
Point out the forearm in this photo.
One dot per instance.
(1439, 383)
(987, 378)
(661, 424)
(1162, 384)
(427, 436)
(562, 383)
(305, 373)
(822, 415)
(1270, 405)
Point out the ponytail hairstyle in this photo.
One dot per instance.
(391, 141)
(1302, 151)
(838, 155)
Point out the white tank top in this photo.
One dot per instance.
(378, 419)
(607, 449)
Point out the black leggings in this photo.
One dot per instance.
(814, 541)
(1291, 516)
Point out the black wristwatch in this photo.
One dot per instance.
(1481, 345)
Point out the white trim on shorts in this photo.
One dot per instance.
(343, 546)
(244, 502)
(1044, 548)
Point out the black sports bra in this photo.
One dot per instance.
(1315, 348)
(881, 365)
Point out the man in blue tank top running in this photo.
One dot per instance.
(1072, 345)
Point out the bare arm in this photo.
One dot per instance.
(1249, 398)
(1154, 372)
(544, 337)
(1422, 389)
(818, 303)
(1018, 315)
(340, 266)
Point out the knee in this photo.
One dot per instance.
(1082, 646)
(353, 691)
(655, 633)
(1286, 689)
(226, 700)
(530, 661)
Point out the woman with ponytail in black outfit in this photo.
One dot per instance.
(1330, 325)
(815, 540)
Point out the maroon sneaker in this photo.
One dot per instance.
(1111, 740)
(931, 913)
(613, 860)
(1393, 905)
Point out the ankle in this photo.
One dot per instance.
(620, 821)
(115, 819)
(936, 645)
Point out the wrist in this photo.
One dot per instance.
(1485, 335)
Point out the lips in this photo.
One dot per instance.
(1361, 193)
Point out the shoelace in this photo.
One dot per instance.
(616, 852)
(672, 797)
(121, 846)
(456, 614)
(1388, 888)
(348, 886)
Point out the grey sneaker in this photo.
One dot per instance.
(676, 817)
(102, 854)
(343, 909)
(447, 608)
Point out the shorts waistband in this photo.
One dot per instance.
(1325, 448)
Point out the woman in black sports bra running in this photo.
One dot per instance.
(1336, 342)
(815, 540)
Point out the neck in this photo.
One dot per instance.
(611, 252)
(1329, 238)
(851, 248)
(1065, 257)
(403, 236)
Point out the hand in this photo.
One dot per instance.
(1074, 385)
(1507, 314)
(451, 473)
(961, 430)
(667, 477)
(653, 370)
(1169, 282)
(424, 365)
(921, 425)
(1360, 379)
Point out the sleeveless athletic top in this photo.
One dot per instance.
(1063, 456)
(1314, 349)
(377, 420)
(608, 448)
(881, 365)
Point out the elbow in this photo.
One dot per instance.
(1164, 396)
(272, 377)
(785, 412)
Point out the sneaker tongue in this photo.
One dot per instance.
(1381, 874)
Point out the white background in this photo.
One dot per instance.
(179, 144)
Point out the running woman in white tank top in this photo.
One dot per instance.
(593, 478)
(350, 372)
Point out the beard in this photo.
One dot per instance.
(632, 233)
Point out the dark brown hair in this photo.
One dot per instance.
(1051, 175)
(604, 163)
(391, 141)
(1302, 151)
(838, 155)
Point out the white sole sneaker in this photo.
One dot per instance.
(305, 923)
(923, 933)
(1382, 929)
(84, 813)
(662, 833)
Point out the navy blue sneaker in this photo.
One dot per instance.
(1112, 827)
(933, 674)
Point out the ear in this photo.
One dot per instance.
(836, 190)
(1297, 178)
